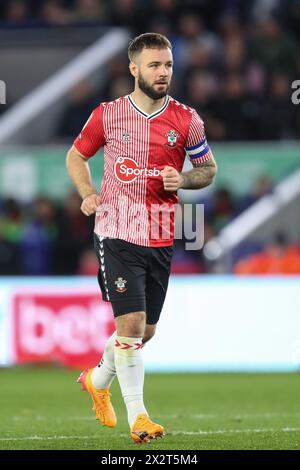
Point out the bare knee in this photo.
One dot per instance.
(131, 324)
(147, 338)
(149, 333)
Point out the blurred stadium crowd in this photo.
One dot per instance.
(234, 60)
(234, 63)
(43, 238)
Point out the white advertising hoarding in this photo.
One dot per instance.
(209, 323)
(228, 323)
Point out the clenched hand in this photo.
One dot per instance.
(172, 180)
(90, 203)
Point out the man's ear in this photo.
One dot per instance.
(133, 69)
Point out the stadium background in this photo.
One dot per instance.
(238, 298)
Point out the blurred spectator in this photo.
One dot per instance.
(161, 26)
(11, 221)
(17, 12)
(231, 107)
(219, 209)
(127, 13)
(75, 234)
(53, 13)
(90, 11)
(192, 35)
(202, 91)
(81, 104)
(264, 9)
(161, 16)
(291, 15)
(117, 67)
(274, 49)
(224, 208)
(262, 187)
(279, 116)
(121, 86)
(235, 108)
(230, 28)
(234, 56)
(168, 9)
(277, 258)
(11, 228)
(37, 244)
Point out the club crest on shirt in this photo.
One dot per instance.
(172, 138)
(120, 283)
(125, 137)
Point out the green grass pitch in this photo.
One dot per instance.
(44, 408)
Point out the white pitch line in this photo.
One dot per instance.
(55, 418)
(175, 433)
(233, 431)
(46, 438)
(163, 416)
(260, 415)
(228, 431)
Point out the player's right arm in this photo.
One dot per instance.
(80, 174)
(90, 139)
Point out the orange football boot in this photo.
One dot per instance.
(101, 399)
(144, 429)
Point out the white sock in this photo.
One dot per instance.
(130, 372)
(104, 373)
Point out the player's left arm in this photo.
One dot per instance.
(200, 176)
(201, 157)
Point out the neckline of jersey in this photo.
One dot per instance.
(148, 116)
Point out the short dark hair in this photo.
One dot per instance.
(147, 41)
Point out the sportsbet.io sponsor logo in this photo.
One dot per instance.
(127, 170)
(70, 327)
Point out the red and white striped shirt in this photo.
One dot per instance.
(137, 146)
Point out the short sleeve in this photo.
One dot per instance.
(91, 138)
(196, 145)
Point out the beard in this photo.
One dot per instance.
(150, 91)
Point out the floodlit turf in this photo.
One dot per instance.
(43, 408)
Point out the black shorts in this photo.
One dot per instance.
(133, 278)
